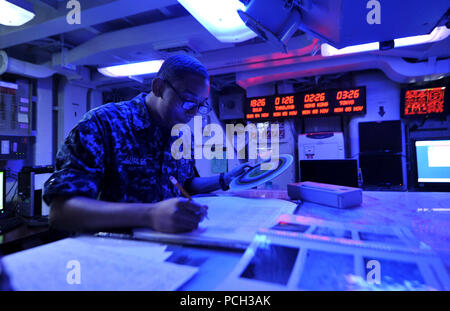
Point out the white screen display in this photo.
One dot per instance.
(39, 180)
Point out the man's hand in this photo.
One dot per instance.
(238, 170)
(176, 215)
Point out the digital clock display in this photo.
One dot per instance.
(306, 104)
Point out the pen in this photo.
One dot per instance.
(174, 181)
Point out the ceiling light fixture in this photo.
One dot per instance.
(15, 12)
(133, 69)
(438, 34)
(220, 18)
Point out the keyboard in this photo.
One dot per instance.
(8, 224)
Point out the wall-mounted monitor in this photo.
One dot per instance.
(345, 101)
(383, 136)
(381, 170)
(431, 100)
(433, 163)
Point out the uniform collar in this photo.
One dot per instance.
(140, 112)
(141, 115)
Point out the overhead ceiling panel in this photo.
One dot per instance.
(349, 22)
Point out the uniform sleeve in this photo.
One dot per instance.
(79, 163)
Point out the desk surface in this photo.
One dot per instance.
(426, 214)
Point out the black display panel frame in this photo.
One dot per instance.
(413, 181)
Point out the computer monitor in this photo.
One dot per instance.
(336, 172)
(433, 162)
(2, 191)
(40, 205)
(381, 170)
(383, 136)
(31, 182)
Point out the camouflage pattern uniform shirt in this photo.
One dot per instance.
(118, 153)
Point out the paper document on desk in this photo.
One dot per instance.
(79, 265)
(232, 223)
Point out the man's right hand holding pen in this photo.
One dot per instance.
(176, 215)
(175, 182)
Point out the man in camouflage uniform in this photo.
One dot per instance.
(113, 169)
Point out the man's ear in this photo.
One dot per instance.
(157, 87)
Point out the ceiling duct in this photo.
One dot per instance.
(15, 66)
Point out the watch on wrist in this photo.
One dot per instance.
(222, 182)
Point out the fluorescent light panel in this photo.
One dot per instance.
(438, 34)
(220, 18)
(134, 69)
(15, 12)
(328, 50)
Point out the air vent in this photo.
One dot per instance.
(180, 49)
(176, 46)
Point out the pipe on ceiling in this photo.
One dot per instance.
(15, 66)
(395, 68)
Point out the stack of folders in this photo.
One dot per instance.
(302, 253)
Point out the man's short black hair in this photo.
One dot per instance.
(179, 66)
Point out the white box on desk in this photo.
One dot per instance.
(326, 194)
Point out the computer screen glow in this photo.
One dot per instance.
(433, 161)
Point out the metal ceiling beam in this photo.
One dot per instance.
(258, 55)
(53, 23)
(47, 3)
(148, 37)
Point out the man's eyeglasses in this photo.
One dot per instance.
(188, 104)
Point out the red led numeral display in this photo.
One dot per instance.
(310, 98)
(352, 94)
(258, 102)
(286, 100)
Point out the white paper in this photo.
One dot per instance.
(46, 268)
(230, 219)
(142, 249)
